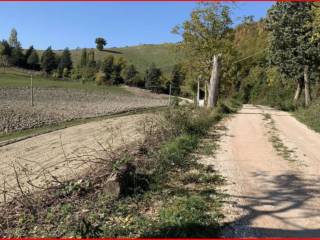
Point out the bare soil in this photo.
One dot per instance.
(59, 105)
(65, 153)
(269, 196)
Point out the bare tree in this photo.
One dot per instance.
(214, 83)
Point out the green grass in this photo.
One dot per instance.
(277, 143)
(17, 80)
(310, 115)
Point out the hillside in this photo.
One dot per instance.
(250, 38)
(163, 55)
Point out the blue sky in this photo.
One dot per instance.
(77, 24)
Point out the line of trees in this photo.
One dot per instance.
(110, 71)
(273, 54)
(295, 43)
(11, 53)
(116, 70)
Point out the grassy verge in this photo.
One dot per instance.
(6, 138)
(169, 195)
(310, 115)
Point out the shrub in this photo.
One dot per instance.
(189, 120)
(100, 78)
(175, 151)
(175, 101)
(75, 74)
(136, 81)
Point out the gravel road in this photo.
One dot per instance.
(269, 195)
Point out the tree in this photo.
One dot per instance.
(118, 66)
(100, 42)
(28, 52)
(5, 48)
(293, 49)
(206, 34)
(65, 62)
(91, 59)
(4, 62)
(107, 67)
(129, 73)
(153, 78)
(176, 79)
(33, 60)
(48, 61)
(84, 58)
(13, 39)
(17, 57)
(5, 52)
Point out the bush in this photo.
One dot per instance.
(65, 73)
(189, 120)
(75, 74)
(175, 101)
(136, 81)
(224, 108)
(100, 78)
(174, 152)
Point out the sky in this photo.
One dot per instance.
(77, 24)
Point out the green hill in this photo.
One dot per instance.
(163, 55)
(251, 38)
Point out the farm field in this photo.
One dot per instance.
(60, 101)
(67, 152)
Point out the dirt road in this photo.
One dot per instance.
(272, 164)
(45, 155)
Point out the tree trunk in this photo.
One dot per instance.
(306, 85)
(214, 83)
(198, 92)
(298, 91)
(205, 92)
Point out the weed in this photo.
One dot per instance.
(277, 143)
(88, 230)
(187, 217)
(203, 178)
(208, 148)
